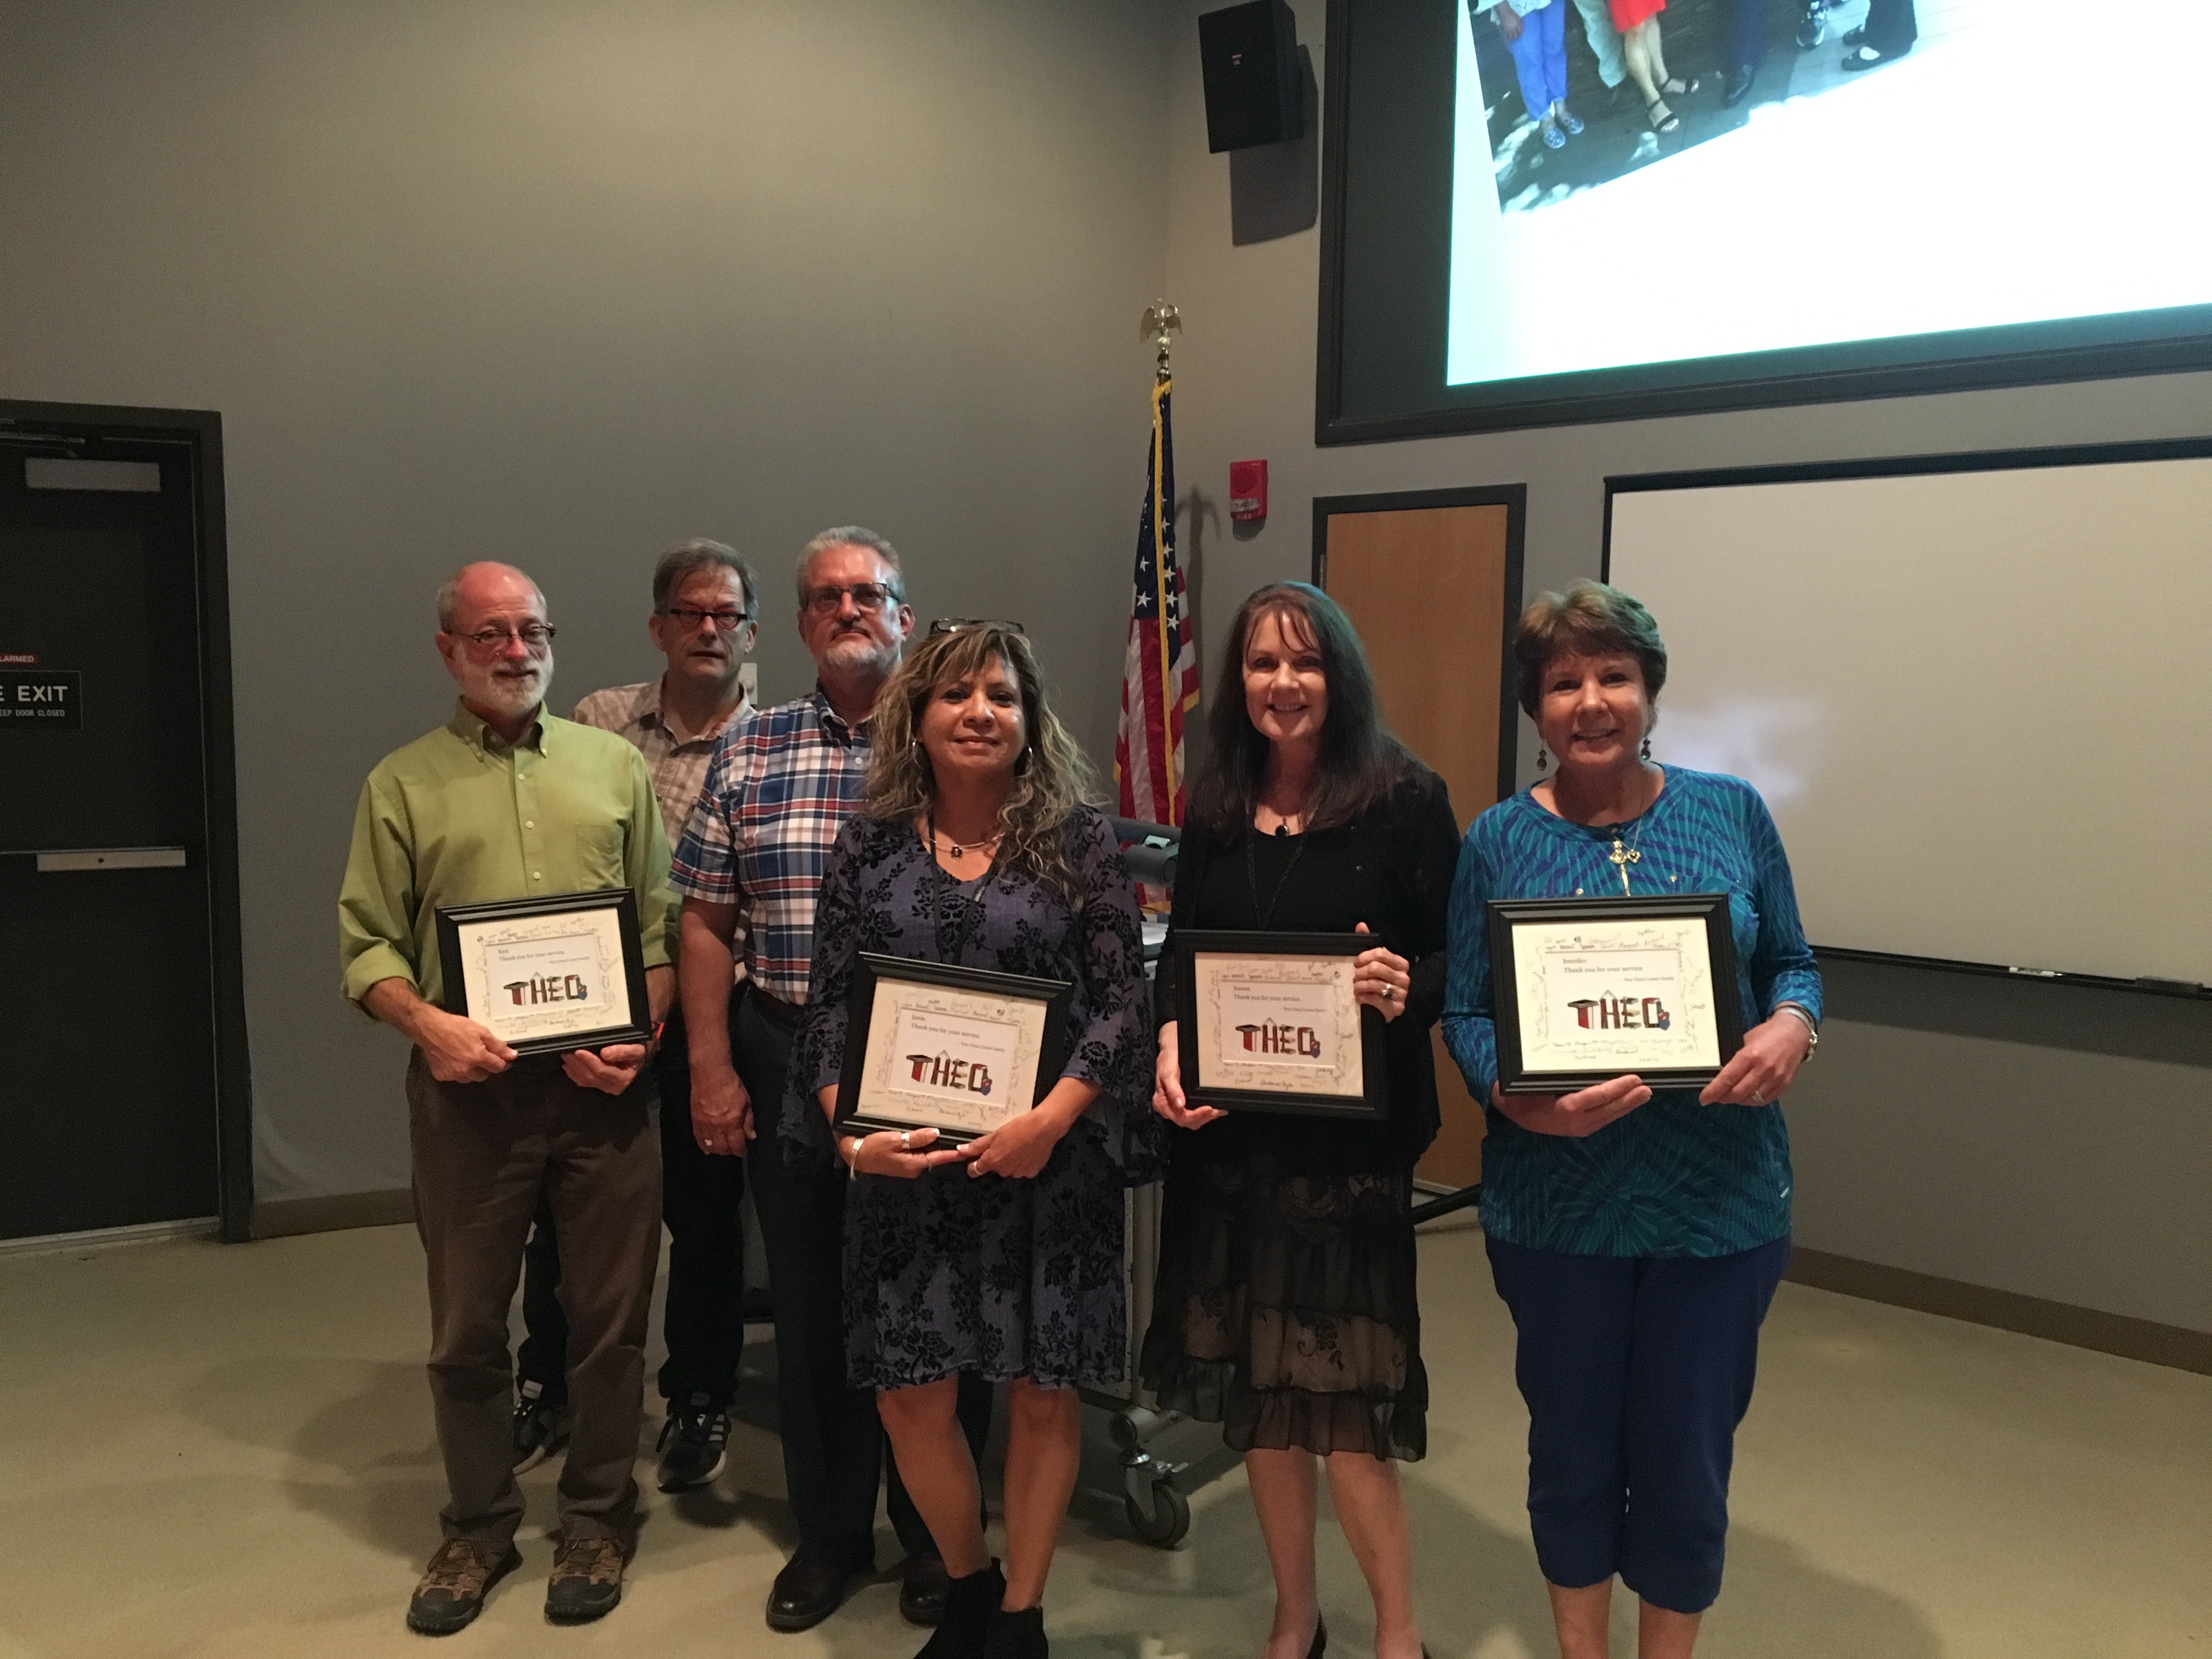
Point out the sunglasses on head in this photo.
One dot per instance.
(971, 624)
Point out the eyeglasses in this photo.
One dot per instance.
(535, 637)
(974, 624)
(866, 596)
(726, 622)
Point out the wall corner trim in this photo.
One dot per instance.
(2007, 1310)
(284, 1217)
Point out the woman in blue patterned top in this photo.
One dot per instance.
(1637, 1235)
(1000, 1258)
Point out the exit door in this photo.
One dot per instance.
(123, 1092)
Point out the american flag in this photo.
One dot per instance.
(1159, 665)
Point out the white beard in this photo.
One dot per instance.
(511, 698)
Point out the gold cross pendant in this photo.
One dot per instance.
(1620, 858)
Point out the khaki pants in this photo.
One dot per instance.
(482, 1153)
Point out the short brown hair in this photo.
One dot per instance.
(687, 559)
(1591, 619)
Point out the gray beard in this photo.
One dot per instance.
(513, 699)
(850, 654)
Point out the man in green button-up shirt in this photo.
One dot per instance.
(505, 802)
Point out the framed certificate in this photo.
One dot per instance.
(1268, 1022)
(1587, 989)
(548, 975)
(959, 1050)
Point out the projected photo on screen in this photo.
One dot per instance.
(1665, 181)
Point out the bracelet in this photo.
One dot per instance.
(852, 1163)
(1812, 1027)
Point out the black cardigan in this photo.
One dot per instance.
(1405, 848)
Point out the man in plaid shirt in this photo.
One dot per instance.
(782, 784)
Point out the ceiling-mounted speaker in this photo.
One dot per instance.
(1252, 86)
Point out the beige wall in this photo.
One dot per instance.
(560, 283)
(2061, 1150)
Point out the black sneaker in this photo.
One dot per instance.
(541, 1426)
(694, 1443)
(1813, 25)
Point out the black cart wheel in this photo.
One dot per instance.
(1162, 1517)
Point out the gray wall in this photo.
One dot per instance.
(2057, 1146)
(561, 283)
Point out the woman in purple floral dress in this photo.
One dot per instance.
(1004, 1257)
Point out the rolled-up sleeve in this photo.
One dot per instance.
(377, 900)
(1470, 1028)
(645, 866)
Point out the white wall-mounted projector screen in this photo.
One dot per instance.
(1926, 195)
(1979, 703)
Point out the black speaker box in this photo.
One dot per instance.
(1250, 55)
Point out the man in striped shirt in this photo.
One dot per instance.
(781, 786)
(705, 603)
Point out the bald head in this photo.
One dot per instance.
(493, 633)
(475, 591)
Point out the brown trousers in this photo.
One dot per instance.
(482, 1153)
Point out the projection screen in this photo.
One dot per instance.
(1978, 701)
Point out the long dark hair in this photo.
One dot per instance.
(1360, 763)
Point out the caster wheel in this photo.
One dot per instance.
(1162, 1518)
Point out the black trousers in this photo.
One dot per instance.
(1747, 24)
(834, 1451)
(1891, 26)
(703, 1321)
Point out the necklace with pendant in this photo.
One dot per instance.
(960, 850)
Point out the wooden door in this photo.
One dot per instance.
(1430, 581)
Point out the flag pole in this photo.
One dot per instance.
(1162, 321)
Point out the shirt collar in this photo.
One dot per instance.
(648, 712)
(469, 727)
(842, 732)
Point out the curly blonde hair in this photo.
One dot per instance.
(1052, 779)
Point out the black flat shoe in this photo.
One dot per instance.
(1867, 58)
(1321, 1640)
(1739, 86)
(808, 1590)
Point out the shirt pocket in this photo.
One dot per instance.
(599, 861)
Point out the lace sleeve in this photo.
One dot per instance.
(1112, 1048)
(818, 1051)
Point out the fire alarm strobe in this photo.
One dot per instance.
(1248, 491)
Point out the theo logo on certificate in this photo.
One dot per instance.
(1278, 1042)
(944, 1071)
(1621, 1014)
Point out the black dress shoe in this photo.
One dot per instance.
(808, 1590)
(923, 1589)
(1739, 85)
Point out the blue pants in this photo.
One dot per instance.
(1637, 1370)
(1541, 57)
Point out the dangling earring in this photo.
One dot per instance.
(1543, 757)
(1647, 749)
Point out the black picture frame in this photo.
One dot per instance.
(637, 1027)
(1370, 1105)
(1515, 1078)
(871, 968)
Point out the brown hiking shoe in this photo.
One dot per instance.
(587, 1580)
(455, 1583)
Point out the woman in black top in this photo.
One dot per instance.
(1284, 1309)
